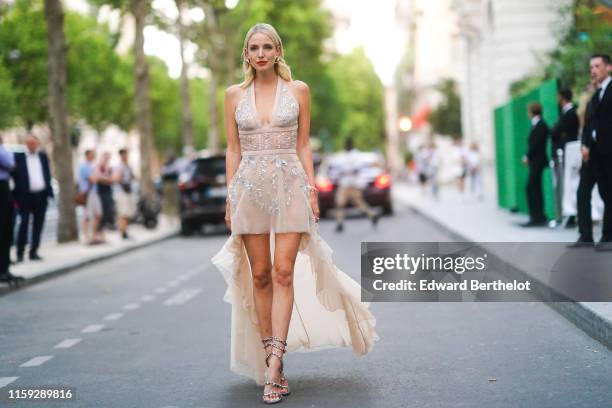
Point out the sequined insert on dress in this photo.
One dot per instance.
(258, 175)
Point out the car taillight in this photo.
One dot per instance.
(187, 185)
(383, 181)
(324, 185)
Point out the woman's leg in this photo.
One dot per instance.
(285, 252)
(258, 250)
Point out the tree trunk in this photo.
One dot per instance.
(140, 10)
(58, 112)
(213, 126)
(186, 115)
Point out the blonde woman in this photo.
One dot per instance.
(275, 263)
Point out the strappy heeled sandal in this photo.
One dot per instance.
(272, 342)
(271, 397)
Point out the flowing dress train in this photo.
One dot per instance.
(269, 194)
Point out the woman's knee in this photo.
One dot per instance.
(283, 273)
(261, 275)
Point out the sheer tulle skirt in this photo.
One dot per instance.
(327, 310)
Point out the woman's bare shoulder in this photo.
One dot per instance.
(299, 87)
(233, 93)
(300, 91)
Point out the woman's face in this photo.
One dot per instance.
(261, 52)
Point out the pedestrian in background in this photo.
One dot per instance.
(421, 164)
(105, 192)
(460, 155)
(350, 187)
(169, 174)
(7, 164)
(32, 192)
(87, 183)
(600, 149)
(474, 170)
(433, 167)
(537, 161)
(564, 131)
(126, 207)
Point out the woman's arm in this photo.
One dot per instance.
(232, 157)
(303, 149)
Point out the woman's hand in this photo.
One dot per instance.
(314, 204)
(228, 219)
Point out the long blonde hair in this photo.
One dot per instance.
(281, 67)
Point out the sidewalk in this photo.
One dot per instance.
(62, 258)
(471, 220)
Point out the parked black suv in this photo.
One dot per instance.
(202, 193)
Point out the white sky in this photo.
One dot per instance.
(366, 23)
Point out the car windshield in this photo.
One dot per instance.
(213, 166)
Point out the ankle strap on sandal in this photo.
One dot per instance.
(276, 354)
(271, 339)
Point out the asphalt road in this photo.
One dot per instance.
(149, 329)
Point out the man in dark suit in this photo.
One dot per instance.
(600, 151)
(7, 164)
(564, 131)
(32, 191)
(585, 187)
(537, 161)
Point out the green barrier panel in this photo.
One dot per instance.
(548, 98)
(502, 183)
(512, 127)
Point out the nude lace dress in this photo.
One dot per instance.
(269, 194)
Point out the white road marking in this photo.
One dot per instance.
(147, 298)
(131, 306)
(36, 361)
(161, 290)
(182, 297)
(4, 381)
(93, 328)
(114, 316)
(68, 343)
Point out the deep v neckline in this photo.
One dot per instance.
(275, 103)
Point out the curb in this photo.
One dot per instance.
(61, 270)
(583, 317)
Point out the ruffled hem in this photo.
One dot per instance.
(327, 311)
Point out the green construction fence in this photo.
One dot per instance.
(512, 126)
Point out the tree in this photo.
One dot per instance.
(140, 11)
(23, 47)
(186, 114)
(99, 81)
(585, 31)
(166, 106)
(591, 33)
(360, 101)
(58, 111)
(8, 96)
(446, 117)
